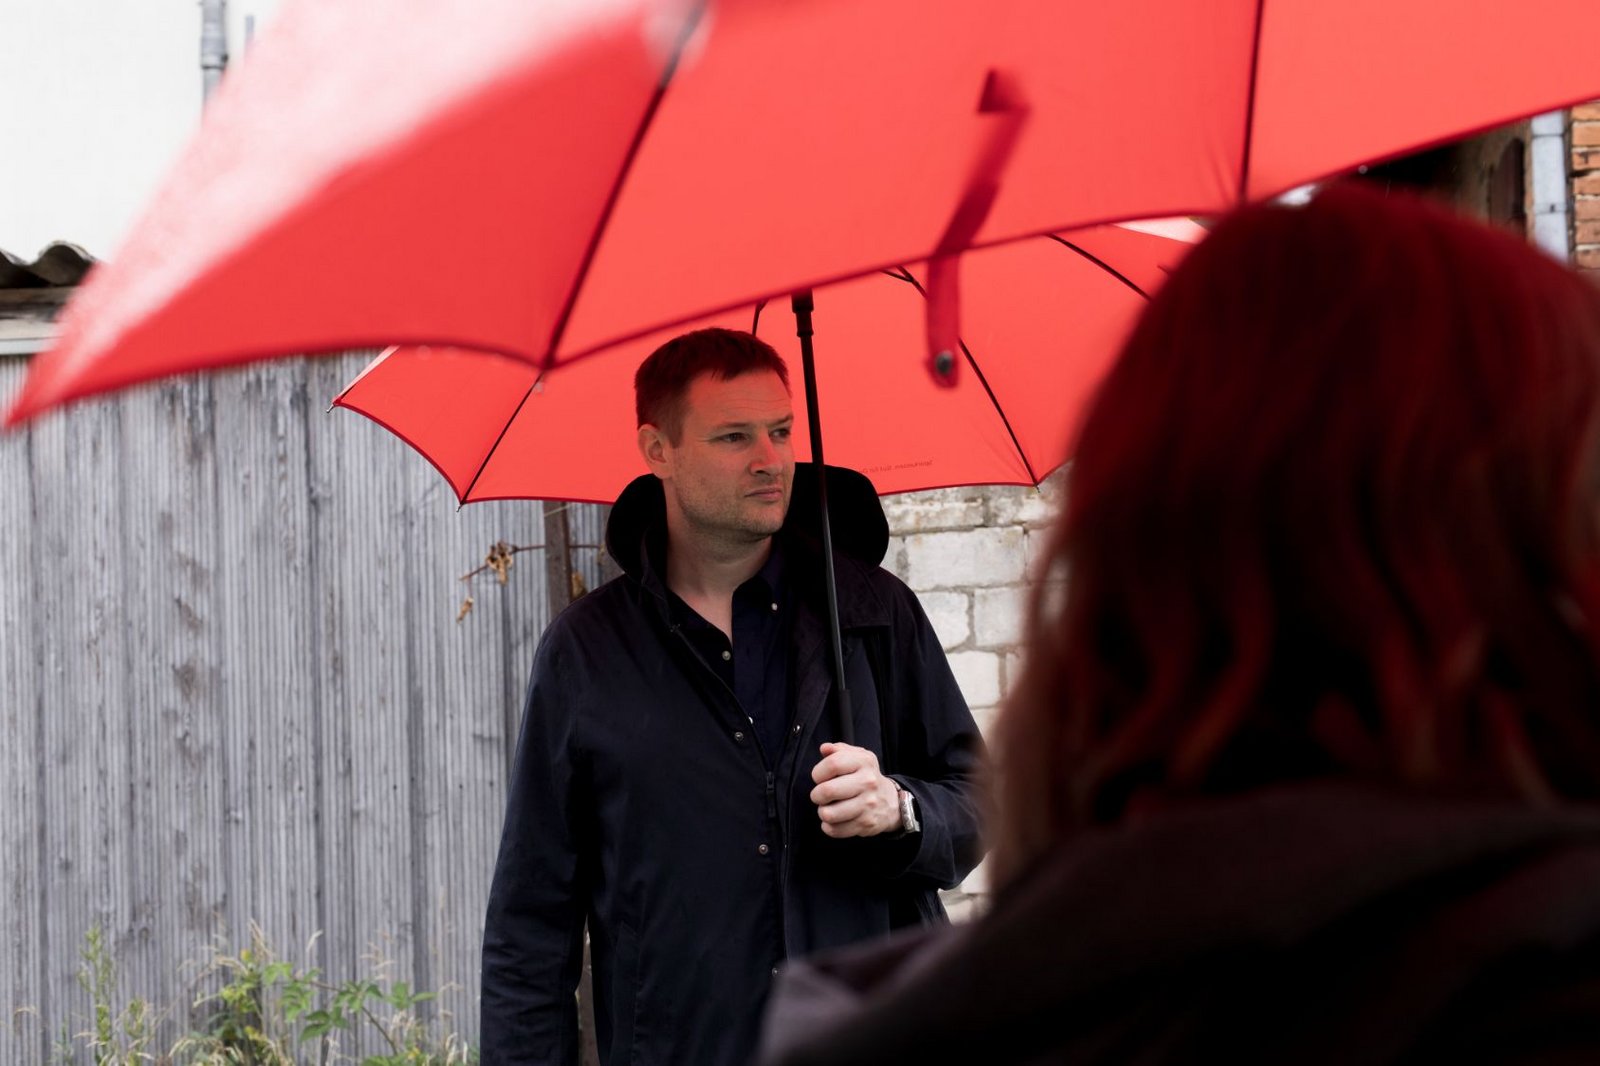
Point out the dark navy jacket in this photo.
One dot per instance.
(641, 802)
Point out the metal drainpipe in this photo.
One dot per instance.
(213, 44)
(1551, 206)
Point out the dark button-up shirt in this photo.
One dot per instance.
(755, 664)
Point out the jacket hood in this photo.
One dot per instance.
(857, 522)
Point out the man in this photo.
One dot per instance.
(677, 782)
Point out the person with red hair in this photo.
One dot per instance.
(1303, 765)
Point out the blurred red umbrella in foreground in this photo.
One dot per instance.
(1044, 317)
(610, 168)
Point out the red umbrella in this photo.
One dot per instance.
(546, 179)
(1048, 313)
(1045, 316)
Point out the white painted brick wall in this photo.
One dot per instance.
(1034, 544)
(968, 553)
(977, 881)
(1010, 505)
(997, 615)
(937, 509)
(1013, 670)
(951, 615)
(974, 558)
(978, 674)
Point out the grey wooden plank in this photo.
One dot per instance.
(466, 712)
(81, 630)
(522, 609)
(270, 753)
(337, 951)
(174, 710)
(363, 544)
(21, 792)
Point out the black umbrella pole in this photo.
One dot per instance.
(803, 306)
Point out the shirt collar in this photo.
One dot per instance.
(770, 574)
(772, 570)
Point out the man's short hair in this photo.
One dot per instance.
(662, 381)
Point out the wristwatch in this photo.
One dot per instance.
(908, 812)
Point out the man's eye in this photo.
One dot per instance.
(781, 434)
(732, 438)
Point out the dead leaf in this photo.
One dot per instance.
(499, 560)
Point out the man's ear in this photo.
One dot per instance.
(656, 449)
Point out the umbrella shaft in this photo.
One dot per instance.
(803, 305)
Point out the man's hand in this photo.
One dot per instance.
(853, 797)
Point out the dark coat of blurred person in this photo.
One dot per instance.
(1304, 766)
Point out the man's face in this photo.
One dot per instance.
(730, 473)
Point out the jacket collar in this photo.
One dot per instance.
(636, 539)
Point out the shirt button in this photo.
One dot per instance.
(738, 736)
(797, 729)
(762, 848)
(774, 607)
(726, 655)
(774, 971)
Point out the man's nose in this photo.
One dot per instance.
(766, 459)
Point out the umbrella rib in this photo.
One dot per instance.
(994, 401)
(1250, 104)
(1033, 475)
(466, 497)
(686, 31)
(1101, 263)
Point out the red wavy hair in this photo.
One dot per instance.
(1335, 511)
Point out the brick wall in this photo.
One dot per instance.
(967, 553)
(1586, 188)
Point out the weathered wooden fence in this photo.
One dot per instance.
(234, 689)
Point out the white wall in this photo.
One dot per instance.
(96, 98)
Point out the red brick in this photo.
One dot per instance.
(1586, 185)
(1587, 232)
(1588, 258)
(1586, 112)
(1586, 159)
(1585, 209)
(1585, 134)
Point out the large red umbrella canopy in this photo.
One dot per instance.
(546, 179)
(1045, 317)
